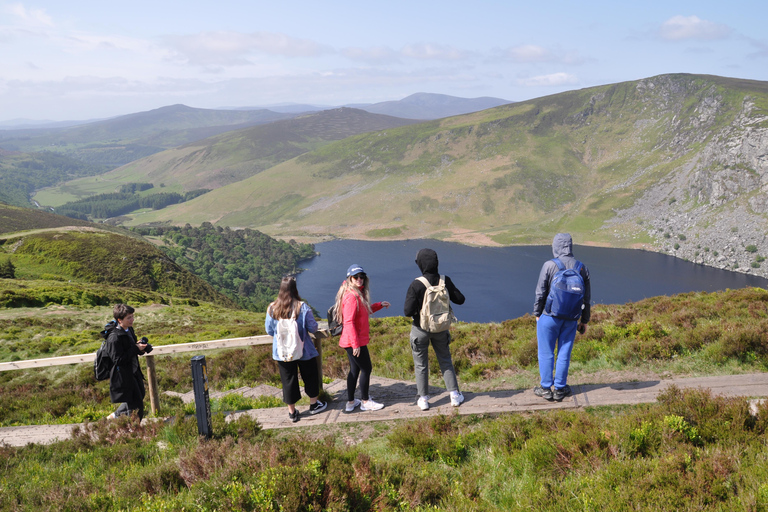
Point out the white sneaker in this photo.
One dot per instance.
(351, 405)
(423, 403)
(456, 398)
(371, 405)
(111, 416)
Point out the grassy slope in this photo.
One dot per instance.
(87, 256)
(13, 218)
(228, 157)
(689, 451)
(514, 174)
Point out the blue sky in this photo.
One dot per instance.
(85, 59)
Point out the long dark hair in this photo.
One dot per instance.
(287, 301)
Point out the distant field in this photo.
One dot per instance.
(91, 186)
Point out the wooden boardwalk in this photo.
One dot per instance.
(399, 398)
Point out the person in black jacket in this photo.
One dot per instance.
(427, 261)
(126, 382)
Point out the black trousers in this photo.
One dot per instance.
(289, 376)
(137, 404)
(361, 367)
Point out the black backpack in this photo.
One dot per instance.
(333, 326)
(102, 365)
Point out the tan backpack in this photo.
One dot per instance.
(436, 314)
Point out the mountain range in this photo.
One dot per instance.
(230, 157)
(674, 163)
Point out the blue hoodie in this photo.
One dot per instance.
(562, 248)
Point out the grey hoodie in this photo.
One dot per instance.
(562, 248)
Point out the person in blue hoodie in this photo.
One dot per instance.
(557, 332)
(290, 305)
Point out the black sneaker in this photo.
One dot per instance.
(546, 394)
(317, 407)
(294, 415)
(561, 393)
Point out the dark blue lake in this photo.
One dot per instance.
(499, 282)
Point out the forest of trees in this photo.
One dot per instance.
(22, 174)
(7, 269)
(243, 264)
(104, 206)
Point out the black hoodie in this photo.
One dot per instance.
(426, 259)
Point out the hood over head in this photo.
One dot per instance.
(562, 245)
(426, 259)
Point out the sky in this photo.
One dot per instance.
(84, 59)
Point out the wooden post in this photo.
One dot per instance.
(154, 397)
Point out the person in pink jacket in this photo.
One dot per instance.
(353, 306)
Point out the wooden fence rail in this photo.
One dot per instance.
(163, 350)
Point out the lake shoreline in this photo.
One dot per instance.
(499, 282)
(470, 241)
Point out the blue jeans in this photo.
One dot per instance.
(551, 333)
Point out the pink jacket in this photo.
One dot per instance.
(356, 330)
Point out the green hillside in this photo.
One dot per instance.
(23, 173)
(14, 218)
(84, 255)
(55, 259)
(117, 141)
(518, 173)
(229, 157)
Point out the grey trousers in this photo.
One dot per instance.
(420, 347)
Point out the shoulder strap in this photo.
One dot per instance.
(294, 314)
(559, 263)
(578, 266)
(442, 280)
(424, 281)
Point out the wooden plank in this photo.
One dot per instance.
(161, 350)
(157, 351)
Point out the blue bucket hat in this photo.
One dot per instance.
(354, 270)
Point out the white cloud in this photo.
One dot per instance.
(531, 54)
(225, 48)
(552, 80)
(431, 51)
(378, 54)
(30, 17)
(679, 28)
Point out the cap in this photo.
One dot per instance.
(354, 270)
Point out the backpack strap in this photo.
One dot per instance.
(559, 263)
(423, 280)
(294, 314)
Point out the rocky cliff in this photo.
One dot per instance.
(713, 207)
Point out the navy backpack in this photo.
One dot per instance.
(566, 292)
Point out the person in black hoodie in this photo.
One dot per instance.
(427, 261)
(126, 382)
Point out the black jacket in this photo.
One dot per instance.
(126, 382)
(427, 261)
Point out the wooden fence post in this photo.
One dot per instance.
(317, 339)
(154, 397)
